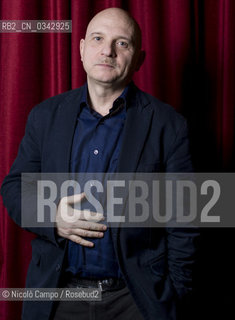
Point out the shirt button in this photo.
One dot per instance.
(96, 152)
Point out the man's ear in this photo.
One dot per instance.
(140, 60)
(81, 48)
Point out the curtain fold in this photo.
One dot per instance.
(190, 64)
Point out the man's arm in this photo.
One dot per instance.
(29, 161)
(182, 242)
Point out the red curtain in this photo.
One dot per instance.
(190, 64)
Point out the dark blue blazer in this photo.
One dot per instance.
(157, 264)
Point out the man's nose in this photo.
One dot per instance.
(108, 49)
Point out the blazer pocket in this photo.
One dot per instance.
(158, 265)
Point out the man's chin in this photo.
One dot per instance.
(104, 80)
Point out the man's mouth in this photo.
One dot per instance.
(105, 65)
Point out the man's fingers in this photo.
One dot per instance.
(66, 210)
(90, 226)
(87, 233)
(76, 235)
(83, 225)
(89, 215)
(81, 241)
(75, 198)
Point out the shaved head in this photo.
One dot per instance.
(124, 17)
(111, 51)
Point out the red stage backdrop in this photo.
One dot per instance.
(189, 64)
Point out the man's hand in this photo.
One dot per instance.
(75, 224)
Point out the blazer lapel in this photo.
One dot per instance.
(136, 129)
(66, 121)
(137, 124)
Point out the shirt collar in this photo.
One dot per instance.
(116, 103)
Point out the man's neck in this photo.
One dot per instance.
(101, 97)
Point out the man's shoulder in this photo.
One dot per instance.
(53, 103)
(162, 110)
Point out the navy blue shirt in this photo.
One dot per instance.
(96, 146)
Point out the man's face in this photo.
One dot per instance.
(108, 52)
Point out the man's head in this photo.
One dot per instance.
(111, 51)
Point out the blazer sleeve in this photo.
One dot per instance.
(28, 160)
(182, 243)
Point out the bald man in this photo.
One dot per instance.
(108, 125)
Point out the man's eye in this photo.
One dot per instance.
(123, 44)
(97, 38)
